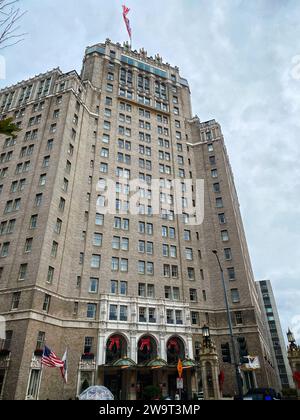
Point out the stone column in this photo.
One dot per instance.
(209, 358)
(132, 374)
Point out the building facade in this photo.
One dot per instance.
(126, 294)
(277, 342)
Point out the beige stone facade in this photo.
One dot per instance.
(72, 277)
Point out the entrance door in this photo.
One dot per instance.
(143, 381)
(114, 383)
(172, 385)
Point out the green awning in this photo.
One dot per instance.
(188, 363)
(156, 363)
(124, 363)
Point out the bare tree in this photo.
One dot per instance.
(10, 16)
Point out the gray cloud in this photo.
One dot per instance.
(237, 55)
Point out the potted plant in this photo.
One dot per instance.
(88, 356)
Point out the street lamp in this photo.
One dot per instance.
(235, 358)
(206, 335)
(291, 339)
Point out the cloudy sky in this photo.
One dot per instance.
(242, 59)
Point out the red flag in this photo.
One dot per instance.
(126, 10)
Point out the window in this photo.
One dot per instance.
(113, 287)
(189, 254)
(150, 268)
(104, 152)
(104, 168)
(123, 313)
(113, 312)
(238, 318)
(231, 273)
(38, 200)
(54, 249)
(40, 342)
(94, 285)
(46, 162)
(16, 301)
(214, 173)
(193, 295)
(97, 239)
(43, 180)
(167, 270)
(228, 254)
(62, 203)
(187, 235)
(219, 203)
(235, 296)
(96, 261)
(76, 308)
(58, 226)
(210, 148)
(4, 250)
(222, 219)
(191, 273)
(46, 304)
(99, 221)
(33, 221)
(141, 267)
(225, 236)
(91, 311)
(49, 146)
(174, 271)
(23, 272)
(88, 345)
(28, 245)
(50, 275)
(151, 291)
(195, 318)
(178, 317)
(123, 288)
(124, 265)
(170, 316)
(176, 293)
(217, 188)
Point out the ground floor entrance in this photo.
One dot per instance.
(141, 383)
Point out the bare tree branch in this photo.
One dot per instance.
(10, 16)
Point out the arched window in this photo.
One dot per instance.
(175, 350)
(116, 348)
(147, 349)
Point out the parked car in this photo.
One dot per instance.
(262, 394)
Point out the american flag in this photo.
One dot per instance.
(50, 359)
(126, 10)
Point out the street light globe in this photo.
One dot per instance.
(290, 336)
(206, 331)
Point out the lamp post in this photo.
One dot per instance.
(206, 335)
(294, 359)
(291, 340)
(235, 358)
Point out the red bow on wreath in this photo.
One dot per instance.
(297, 378)
(116, 342)
(145, 343)
(173, 344)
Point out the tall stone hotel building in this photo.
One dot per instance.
(127, 295)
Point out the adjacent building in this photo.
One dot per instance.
(276, 337)
(127, 294)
